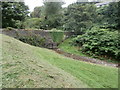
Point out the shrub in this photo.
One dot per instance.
(9, 28)
(19, 24)
(33, 40)
(99, 42)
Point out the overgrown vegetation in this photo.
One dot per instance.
(57, 35)
(9, 28)
(101, 42)
(33, 40)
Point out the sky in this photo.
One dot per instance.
(33, 3)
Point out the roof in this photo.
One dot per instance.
(101, 4)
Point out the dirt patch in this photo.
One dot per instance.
(86, 59)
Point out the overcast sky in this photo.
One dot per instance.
(34, 3)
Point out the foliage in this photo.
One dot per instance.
(100, 42)
(57, 35)
(37, 13)
(33, 40)
(9, 28)
(68, 47)
(54, 21)
(111, 16)
(52, 8)
(52, 15)
(12, 12)
(32, 23)
(79, 17)
(0, 14)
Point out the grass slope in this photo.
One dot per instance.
(65, 46)
(23, 68)
(29, 66)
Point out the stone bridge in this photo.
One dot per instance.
(40, 33)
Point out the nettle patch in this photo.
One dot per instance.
(33, 40)
(100, 42)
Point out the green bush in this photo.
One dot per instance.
(9, 28)
(100, 42)
(33, 40)
(19, 24)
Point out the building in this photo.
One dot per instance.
(102, 4)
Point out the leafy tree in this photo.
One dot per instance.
(52, 14)
(111, 15)
(0, 14)
(37, 13)
(118, 16)
(79, 16)
(52, 8)
(32, 23)
(12, 12)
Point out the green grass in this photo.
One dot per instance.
(28, 66)
(67, 47)
(23, 68)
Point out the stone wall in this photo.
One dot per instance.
(45, 34)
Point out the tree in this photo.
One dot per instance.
(13, 12)
(32, 23)
(79, 17)
(52, 8)
(118, 26)
(111, 15)
(37, 13)
(0, 14)
(52, 14)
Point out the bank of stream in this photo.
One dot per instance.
(86, 59)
